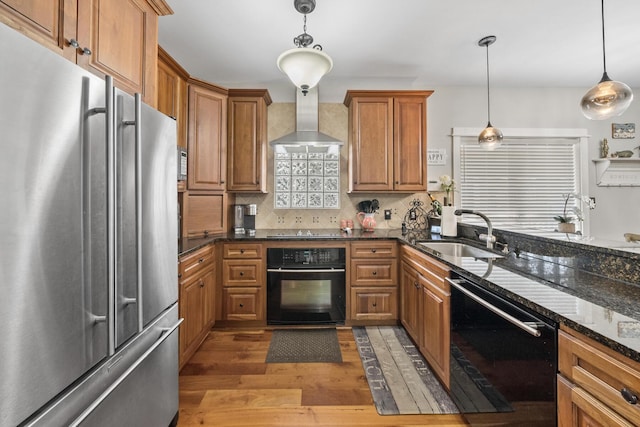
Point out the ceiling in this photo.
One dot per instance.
(406, 44)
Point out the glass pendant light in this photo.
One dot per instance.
(608, 98)
(305, 65)
(490, 138)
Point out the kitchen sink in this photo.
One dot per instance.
(458, 250)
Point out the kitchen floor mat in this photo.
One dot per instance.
(399, 378)
(304, 346)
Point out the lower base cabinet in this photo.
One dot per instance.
(243, 282)
(596, 385)
(425, 308)
(197, 282)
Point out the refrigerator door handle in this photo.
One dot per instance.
(166, 332)
(136, 122)
(111, 209)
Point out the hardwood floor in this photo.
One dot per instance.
(228, 383)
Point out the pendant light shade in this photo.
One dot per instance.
(490, 138)
(305, 65)
(608, 98)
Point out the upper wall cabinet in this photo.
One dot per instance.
(387, 140)
(207, 136)
(114, 37)
(172, 93)
(247, 140)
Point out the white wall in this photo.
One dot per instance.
(617, 208)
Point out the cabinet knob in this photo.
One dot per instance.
(373, 250)
(201, 283)
(241, 273)
(416, 285)
(241, 251)
(375, 273)
(241, 305)
(201, 260)
(86, 51)
(375, 304)
(74, 43)
(629, 396)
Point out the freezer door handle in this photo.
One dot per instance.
(136, 122)
(165, 333)
(111, 214)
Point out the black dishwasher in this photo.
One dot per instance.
(503, 359)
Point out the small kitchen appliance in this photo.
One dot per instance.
(245, 219)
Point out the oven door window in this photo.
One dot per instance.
(310, 295)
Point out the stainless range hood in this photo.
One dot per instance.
(306, 134)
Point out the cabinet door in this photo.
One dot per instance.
(371, 156)
(207, 139)
(204, 214)
(410, 298)
(410, 143)
(435, 329)
(122, 37)
(49, 22)
(247, 147)
(192, 311)
(172, 93)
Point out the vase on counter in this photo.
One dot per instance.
(367, 221)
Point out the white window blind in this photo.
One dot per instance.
(520, 185)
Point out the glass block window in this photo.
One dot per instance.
(307, 179)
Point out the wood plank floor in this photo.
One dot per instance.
(228, 383)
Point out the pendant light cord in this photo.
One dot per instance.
(604, 55)
(488, 101)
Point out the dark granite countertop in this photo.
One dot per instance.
(555, 285)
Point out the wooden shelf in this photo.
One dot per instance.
(618, 172)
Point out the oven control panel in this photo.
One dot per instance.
(297, 257)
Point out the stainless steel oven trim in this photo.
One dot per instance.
(525, 326)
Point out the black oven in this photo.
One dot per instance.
(503, 359)
(306, 286)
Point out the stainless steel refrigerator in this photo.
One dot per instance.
(88, 248)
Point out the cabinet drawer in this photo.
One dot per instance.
(242, 304)
(195, 262)
(240, 272)
(242, 250)
(374, 272)
(377, 249)
(372, 303)
(600, 371)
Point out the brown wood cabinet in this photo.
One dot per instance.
(243, 282)
(373, 283)
(425, 301)
(207, 136)
(114, 37)
(387, 140)
(204, 213)
(596, 385)
(247, 140)
(197, 299)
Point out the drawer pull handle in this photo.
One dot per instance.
(629, 396)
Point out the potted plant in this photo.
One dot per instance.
(566, 221)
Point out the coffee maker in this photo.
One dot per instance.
(245, 219)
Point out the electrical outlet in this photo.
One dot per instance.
(387, 214)
(592, 203)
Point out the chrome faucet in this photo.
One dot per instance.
(489, 238)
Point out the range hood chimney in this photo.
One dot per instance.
(306, 134)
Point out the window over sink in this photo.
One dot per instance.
(522, 185)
